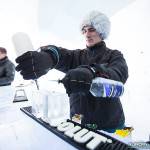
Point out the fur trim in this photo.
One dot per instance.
(99, 21)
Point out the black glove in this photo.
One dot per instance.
(34, 64)
(78, 81)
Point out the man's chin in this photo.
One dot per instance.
(90, 45)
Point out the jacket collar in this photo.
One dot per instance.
(98, 48)
(4, 59)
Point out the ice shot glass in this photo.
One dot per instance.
(40, 103)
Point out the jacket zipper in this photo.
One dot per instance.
(93, 52)
(90, 110)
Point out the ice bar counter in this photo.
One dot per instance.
(43, 124)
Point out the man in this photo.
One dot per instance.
(81, 66)
(7, 68)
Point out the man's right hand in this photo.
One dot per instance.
(34, 64)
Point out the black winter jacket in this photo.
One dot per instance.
(107, 113)
(7, 71)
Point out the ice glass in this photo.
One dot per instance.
(39, 103)
(58, 108)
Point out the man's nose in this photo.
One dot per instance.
(87, 34)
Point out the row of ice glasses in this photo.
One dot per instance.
(52, 107)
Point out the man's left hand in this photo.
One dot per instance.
(78, 81)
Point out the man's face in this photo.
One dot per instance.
(91, 36)
(2, 55)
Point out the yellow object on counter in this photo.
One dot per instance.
(124, 132)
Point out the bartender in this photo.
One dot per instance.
(81, 67)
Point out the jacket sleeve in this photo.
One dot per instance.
(116, 69)
(64, 59)
(9, 74)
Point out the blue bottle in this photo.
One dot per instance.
(102, 87)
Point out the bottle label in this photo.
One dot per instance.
(108, 89)
(118, 91)
(113, 90)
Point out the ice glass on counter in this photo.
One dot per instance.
(52, 107)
